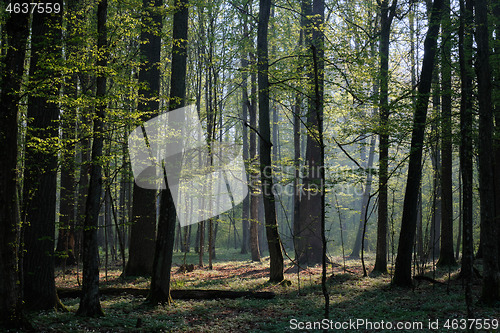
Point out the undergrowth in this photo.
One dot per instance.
(352, 297)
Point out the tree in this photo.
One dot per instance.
(162, 264)
(446, 256)
(491, 280)
(495, 64)
(40, 174)
(308, 231)
(402, 273)
(273, 238)
(90, 305)
(466, 149)
(143, 228)
(244, 106)
(386, 16)
(318, 53)
(254, 193)
(16, 29)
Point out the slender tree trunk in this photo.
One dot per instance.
(402, 274)
(386, 16)
(16, 29)
(273, 237)
(446, 256)
(246, 202)
(90, 305)
(491, 279)
(143, 228)
(435, 229)
(309, 236)
(40, 176)
(466, 146)
(495, 61)
(160, 281)
(296, 180)
(318, 53)
(254, 193)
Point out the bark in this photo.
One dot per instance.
(495, 61)
(446, 256)
(466, 147)
(386, 16)
(89, 302)
(309, 231)
(162, 264)
(40, 174)
(254, 193)
(402, 274)
(16, 30)
(491, 275)
(318, 53)
(296, 179)
(273, 237)
(246, 202)
(143, 228)
(435, 226)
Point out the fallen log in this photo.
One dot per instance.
(183, 294)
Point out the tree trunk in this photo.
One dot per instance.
(160, 281)
(495, 61)
(296, 179)
(246, 202)
(16, 29)
(386, 16)
(435, 229)
(309, 236)
(446, 256)
(402, 274)
(491, 279)
(89, 302)
(466, 146)
(40, 175)
(254, 192)
(273, 237)
(143, 228)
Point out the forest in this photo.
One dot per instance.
(250, 165)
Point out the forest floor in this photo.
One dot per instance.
(354, 300)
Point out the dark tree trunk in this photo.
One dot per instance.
(386, 16)
(402, 274)
(16, 29)
(489, 236)
(246, 202)
(296, 179)
(446, 256)
(40, 175)
(160, 280)
(254, 191)
(309, 231)
(143, 228)
(273, 237)
(466, 146)
(90, 305)
(318, 55)
(495, 61)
